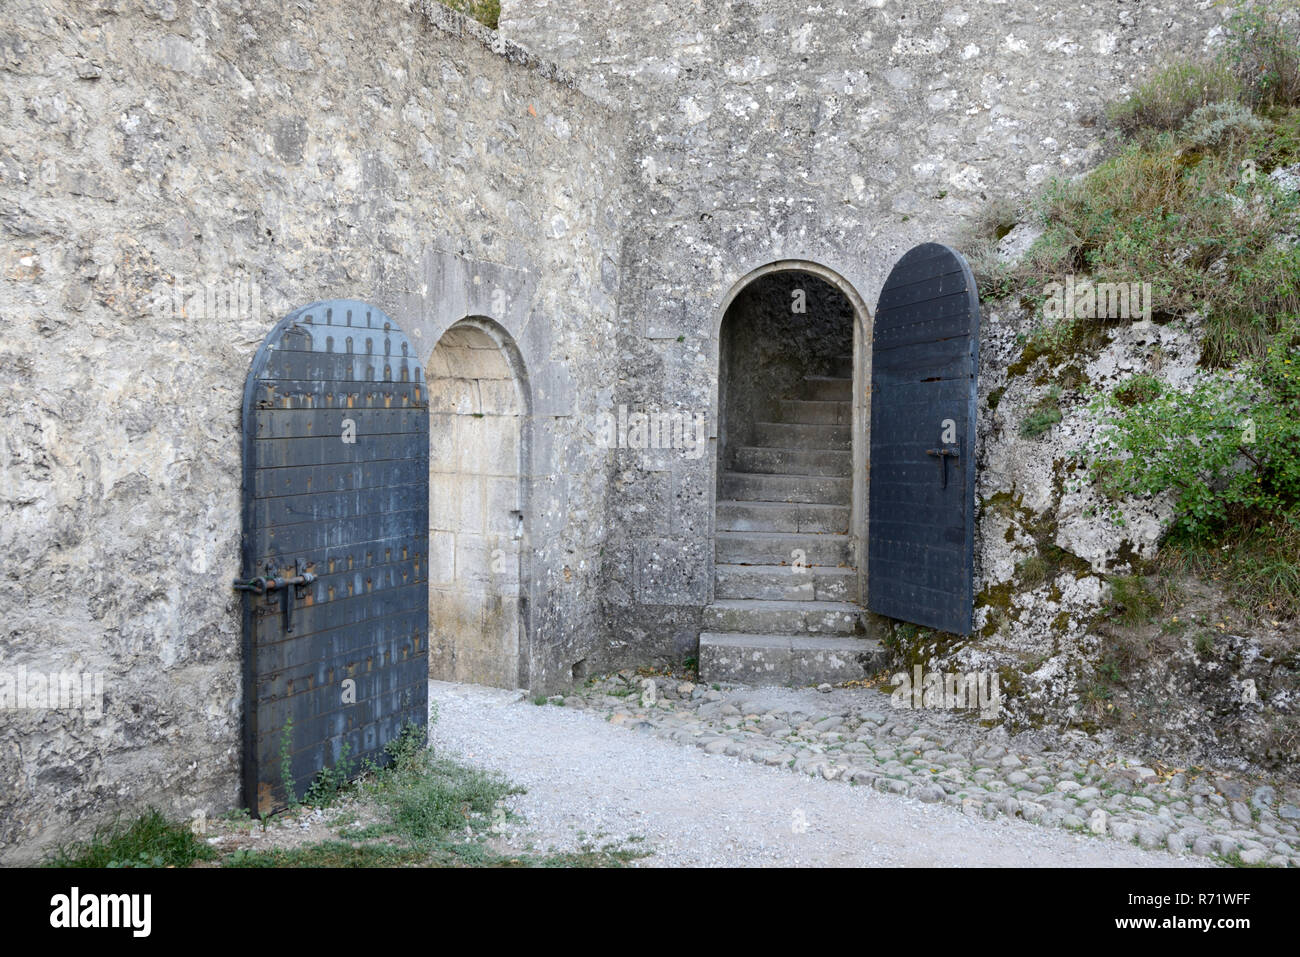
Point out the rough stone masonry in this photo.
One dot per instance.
(589, 185)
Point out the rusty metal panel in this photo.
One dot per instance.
(921, 503)
(335, 546)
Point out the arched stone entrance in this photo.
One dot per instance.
(792, 412)
(478, 407)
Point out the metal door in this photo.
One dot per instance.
(921, 503)
(335, 547)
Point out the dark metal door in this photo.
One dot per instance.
(921, 503)
(335, 547)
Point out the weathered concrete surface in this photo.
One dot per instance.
(388, 152)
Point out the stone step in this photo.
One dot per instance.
(736, 516)
(785, 582)
(815, 411)
(813, 489)
(788, 661)
(759, 617)
(772, 461)
(775, 548)
(843, 367)
(827, 387)
(795, 435)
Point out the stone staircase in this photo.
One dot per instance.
(771, 623)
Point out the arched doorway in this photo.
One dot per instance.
(478, 406)
(792, 412)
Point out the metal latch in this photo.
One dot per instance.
(263, 584)
(943, 456)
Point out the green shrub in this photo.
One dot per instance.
(1229, 447)
(1172, 94)
(1192, 225)
(1216, 124)
(1264, 52)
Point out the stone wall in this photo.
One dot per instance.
(839, 134)
(175, 175)
(270, 155)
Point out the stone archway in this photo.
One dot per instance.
(792, 414)
(478, 407)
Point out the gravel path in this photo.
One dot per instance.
(589, 780)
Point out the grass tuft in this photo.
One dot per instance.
(486, 12)
(148, 841)
(1172, 94)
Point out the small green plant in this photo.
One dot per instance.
(486, 12)
(539, 700)
(1039, 421)
(286, 762)
(405, 750)
(1032, 571)
(1132, 601)
(1138, 389)
(148, 841)
(1218, 124)
(1257, 561)
(1204, 644)
(1166, 99)
(433, 801)
(1045, 414)
(1108, 670)
(330, 782)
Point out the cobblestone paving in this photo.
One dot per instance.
(855, 735)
